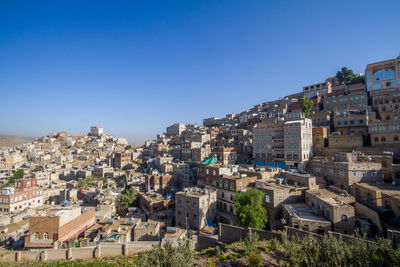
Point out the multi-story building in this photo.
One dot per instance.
(158, 182)
(176, 129)
(355, 100)
(321, 89)
(42, 177)
(283, 144)
(225, 155)
(346, 172)
(385, 134)
(25, 194)
(352, 122)
(337, 140)
(226, 180)
(383, 75)
(194, 206)
(58, 226)
(122, 159)
(96, 130)
(320, 139)
(288, 188)
(184, 174)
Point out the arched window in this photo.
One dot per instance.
(46, 236)
(376, 139)
(36, 236)
(395, 138)
(383, 139)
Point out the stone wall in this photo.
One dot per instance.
(101, 250)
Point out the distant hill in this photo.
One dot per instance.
(13, 140)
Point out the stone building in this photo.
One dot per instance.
(336, 206)
(227, 181)
(158, 183)
(320, 139)
(283, 144)
(176, 129)
(344, 173)
(384, 198)
(194, 206)
(225, 155)
(289, 187)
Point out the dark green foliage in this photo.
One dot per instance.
(307, 105)
(249, 208)
(349, 77)
(169, 255)
(128, 199)
(17, 175)
(128, 147)
(333, 251)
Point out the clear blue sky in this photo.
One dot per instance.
(137, 66)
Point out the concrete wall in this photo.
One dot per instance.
(101, 250)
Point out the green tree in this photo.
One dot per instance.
(128, 147)
(128, 199)
(307, 105)
(249, 208)
(17, 175)
(348, 76)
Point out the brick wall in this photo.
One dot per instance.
(77, 225)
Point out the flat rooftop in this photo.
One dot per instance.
(303, 212)
(331, 197)
(388, 189)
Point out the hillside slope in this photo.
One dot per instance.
(13, 140)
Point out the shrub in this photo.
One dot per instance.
(334, 251)
(181, 255)
(255, 259)
(251, 242)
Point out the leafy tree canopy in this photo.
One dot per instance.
(348, 76)
(128, 199)
(128, 147)
(249, 208)
(307, 105)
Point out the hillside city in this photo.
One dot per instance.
(323, 161)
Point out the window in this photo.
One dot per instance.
(267, 199)
(383, 139)
(344, 218)
(395, 138)
(36, 236)
(46, 236)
